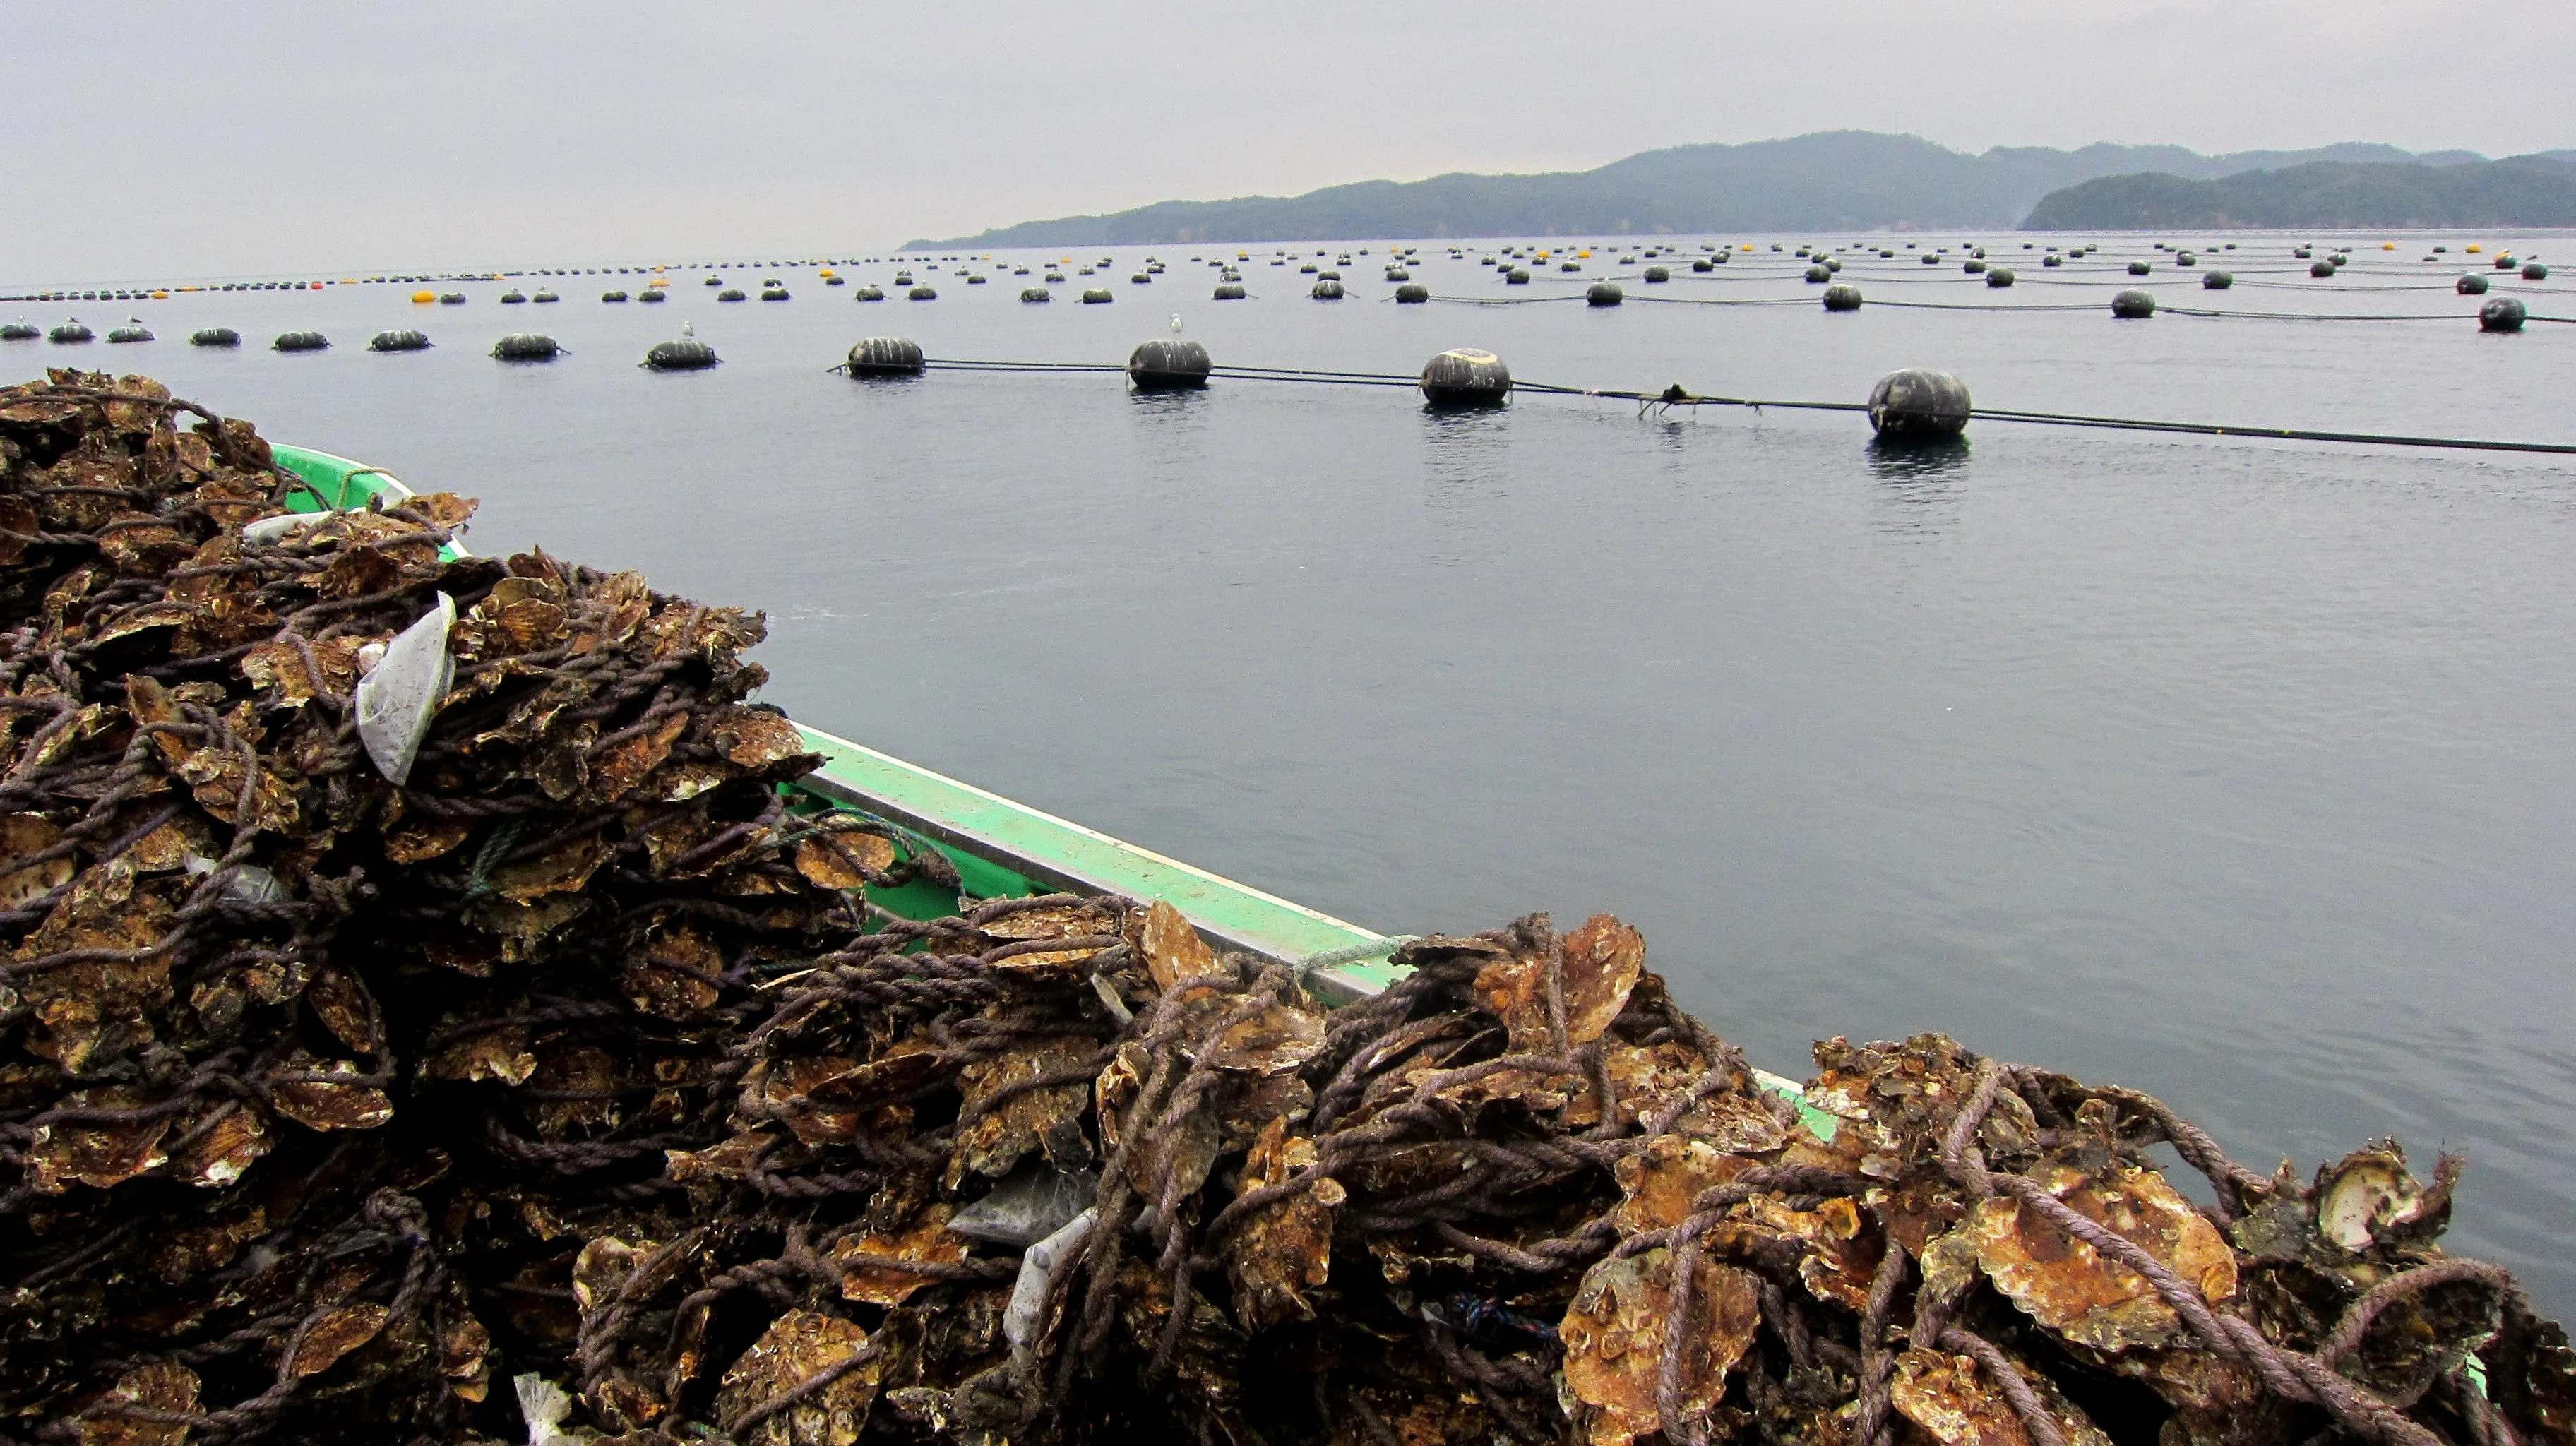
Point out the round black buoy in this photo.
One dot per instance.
(885, 356)
(1603, 293)
(545, 296)
(1168, 363)
(1704, 264)
(1518, 276)
(688, 354)
(1465, 377)
(512, 298)
(451, 298)
(2185, 258)
(1230, 291)
(22, 331)
(1140, 279)
(2139, 268)
(2471, 285)
(2505, 262)
(526, 346)
(654, 296)
(1842, 296)
(213, 336)
(1097, 296)
(2535, 272)
(301, 341)
(2321, 269)
(2501, 313)
(612, 296)
(1327, 289)
(74, 330)
(399, 341)
(921, 293)
(1999, 276)
(1410, 293)
(2216, 280)
(133, 331)
(1657, 273)
(1972, 266)
(867, 293)
(2052, 259)
(2133, 305)
(1036, 293)
(1918, 402)
(730, 293)
(1819, 274)
(773, 293)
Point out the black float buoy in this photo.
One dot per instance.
(21, 331)
(1918, 402)
(1465, 377)
(451, 298)
(301, 341)
(1036, 293)
(612, 296)
(2133, 305)
(2321, 269)
(134, 330)
(1097, 296)
(730, 293)
(512, 298)
(211, 336)
(2185, 258)
(1230, 291)
(1517, 276)
(525, 346)
(867, 293)
(1704, 264)
(2471, 285)
(2501, 313)
(1410, 293)
(2535, 272)
(2505, 262)
(1168, 363)
(654, 296)
(1657, 273)
(1140, 279)
(1819, 274)
(921, 293)
(1842, 296)
(74, 330)
(2052, 259)
(688, 354)
(773, 293)
(1972, 266)
(1328, 289)
(2139, 268)
(1604, 293)
(2216, 280)
(399, 341)
(545, 296)
(2000, 276)
(885, 356)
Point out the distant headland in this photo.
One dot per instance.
(1867, 180)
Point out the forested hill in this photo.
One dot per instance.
(2536, 190)
(1832, 180)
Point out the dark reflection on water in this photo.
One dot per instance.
(1917, 459)
(1919, 482)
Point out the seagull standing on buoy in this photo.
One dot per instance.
(688, 330)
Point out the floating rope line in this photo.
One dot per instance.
(1678, 396)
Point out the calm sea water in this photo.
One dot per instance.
(2239, 772)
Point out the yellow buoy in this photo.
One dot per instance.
(2387, 245)
(1582, 255)
(424, 296)
(160, 296)
(1748, 245)
(657, 281)
(2473, 248)
(828, 273)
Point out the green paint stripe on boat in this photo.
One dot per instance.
(1060, 854)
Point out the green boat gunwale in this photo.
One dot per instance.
(1003, 848)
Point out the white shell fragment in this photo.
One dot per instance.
(1023, 1317)
(280, 527)
(1030, 1204)
(398, 695)
(543, 1405)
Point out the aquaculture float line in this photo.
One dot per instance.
(1662, 402)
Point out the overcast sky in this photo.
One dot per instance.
(151, 140)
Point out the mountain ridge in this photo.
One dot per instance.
(1840, 180)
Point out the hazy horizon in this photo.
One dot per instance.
(298, 136)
